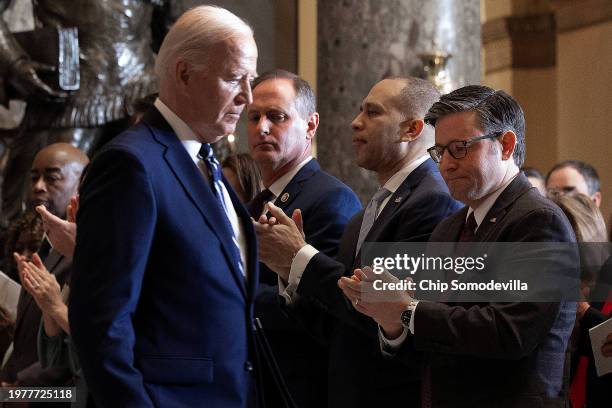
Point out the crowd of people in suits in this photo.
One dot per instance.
(166, 278)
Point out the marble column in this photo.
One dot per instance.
(361, 42)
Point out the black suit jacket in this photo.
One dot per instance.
(327, 205)
(23, 364)
(498, 354)
(358, 375)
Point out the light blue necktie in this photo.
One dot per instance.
(369, 216)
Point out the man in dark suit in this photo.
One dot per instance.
(55, 175)
(390, 138)
(282, 122)
(489, 353)
(165, 266)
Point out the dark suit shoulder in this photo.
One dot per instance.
(138, 140)
(534, 218)
(322, 184)
(520, 214)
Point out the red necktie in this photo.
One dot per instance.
(469, 229)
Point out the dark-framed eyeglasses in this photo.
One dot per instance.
(457, 148)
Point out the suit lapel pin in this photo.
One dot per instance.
(284, 198)
(398, 200)
(493, 220)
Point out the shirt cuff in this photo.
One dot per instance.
(298, 266)
(414, 306)
(390, 347)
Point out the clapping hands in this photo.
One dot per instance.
(279, 238)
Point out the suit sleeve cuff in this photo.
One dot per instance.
(298, 266)
(390, 347)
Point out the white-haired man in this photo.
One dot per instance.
(166, 261)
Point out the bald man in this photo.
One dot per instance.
(55, 176)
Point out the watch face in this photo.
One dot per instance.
(406, 315)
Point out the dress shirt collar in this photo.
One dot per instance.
(398, 178)
(188, 139)
(279, 185)
(483, 209)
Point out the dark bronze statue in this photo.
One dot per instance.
(105, 63)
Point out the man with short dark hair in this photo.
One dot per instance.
(282, 122)
(390, 138)
(492, 352)
(574, 176)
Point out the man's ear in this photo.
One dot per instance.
(597, 198)
(182, 73)
(410, 130)
(312, 125)
(508, 142)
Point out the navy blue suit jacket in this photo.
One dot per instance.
(327, 205)
(159, 311)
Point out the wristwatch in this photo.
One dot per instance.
(407, 315)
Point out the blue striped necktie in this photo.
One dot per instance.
(207, 155)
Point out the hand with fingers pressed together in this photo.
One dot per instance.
(46, 291)
(383, 306)
(61, 233)
(279, 238)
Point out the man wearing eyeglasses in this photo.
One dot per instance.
(489, 353)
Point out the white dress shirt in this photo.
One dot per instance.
(305, 254)
(191, 143)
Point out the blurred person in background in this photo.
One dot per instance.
(55, 175)
(55, 346)
(535, 178)
(596, 306)
(24, 236)
(574, 176)
(244, 175)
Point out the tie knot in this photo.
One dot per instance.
(207, 155)
(380, 195)
(206, 152)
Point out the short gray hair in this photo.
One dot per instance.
(194, 34)
(496, 112)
